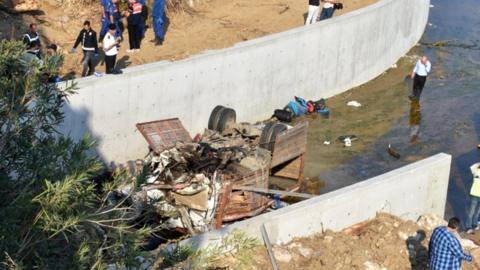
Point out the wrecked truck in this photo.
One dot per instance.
(221, 175)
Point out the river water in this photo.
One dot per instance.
(447, 119)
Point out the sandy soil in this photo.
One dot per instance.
(213, 24)
(381, 243)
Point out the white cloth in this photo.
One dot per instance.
(312, 14)
(475, 170)
(475, 189)
(421, 69)
(328, 5)
(108, 41)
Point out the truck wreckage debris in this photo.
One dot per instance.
(222, 175)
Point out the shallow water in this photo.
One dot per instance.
(447, 119)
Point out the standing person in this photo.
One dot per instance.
(327, 10)
(32, 38)
(106, 18)
(116, 18)
(88, 38)
(419, 75)
(474, 211)
(444, 248)
(158, 18)
(110, 43)
(135, 20)
(313, 8)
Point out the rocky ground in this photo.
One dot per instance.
(386, 242)
(211, 24)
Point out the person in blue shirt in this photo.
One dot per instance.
(444, 248)
(419, 76)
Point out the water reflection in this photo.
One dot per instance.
(415, 119)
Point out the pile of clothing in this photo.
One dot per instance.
(298, 107)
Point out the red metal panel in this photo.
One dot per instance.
(164, 134)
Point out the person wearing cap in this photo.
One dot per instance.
(110, 43)
(474, 211)
(419, 76)
(32, 39)
(88, 38)
(134, 20)
(313, 8)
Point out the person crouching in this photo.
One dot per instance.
(110, 43)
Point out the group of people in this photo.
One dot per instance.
(33, 42)
(329, 7)
(111, 34)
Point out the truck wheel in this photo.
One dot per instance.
(269, 134)
(227, 119)
(215, 117)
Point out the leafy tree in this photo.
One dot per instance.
(53, 215)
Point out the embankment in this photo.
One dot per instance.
(254, 77)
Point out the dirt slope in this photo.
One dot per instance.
(386, 242)
(213, 24)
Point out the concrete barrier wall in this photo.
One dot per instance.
(408, 192)
(253, 77)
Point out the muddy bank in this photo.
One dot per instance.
(383, 100)
(449, 120)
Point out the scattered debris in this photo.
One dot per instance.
(192, 186)
(392, 152)
(354, 103)
(347, 142)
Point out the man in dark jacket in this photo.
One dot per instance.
(88, 38)
(32, 38)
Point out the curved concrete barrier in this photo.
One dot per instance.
(408, 192)
(254, 77)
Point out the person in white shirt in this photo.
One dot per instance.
(419, 76)
(328, 9)
(111, 50)
(473, 213)
(313, 8)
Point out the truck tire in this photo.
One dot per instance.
(269, 134)
(215, 117)
(227, 119)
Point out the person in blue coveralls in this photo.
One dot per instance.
(158, 17)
